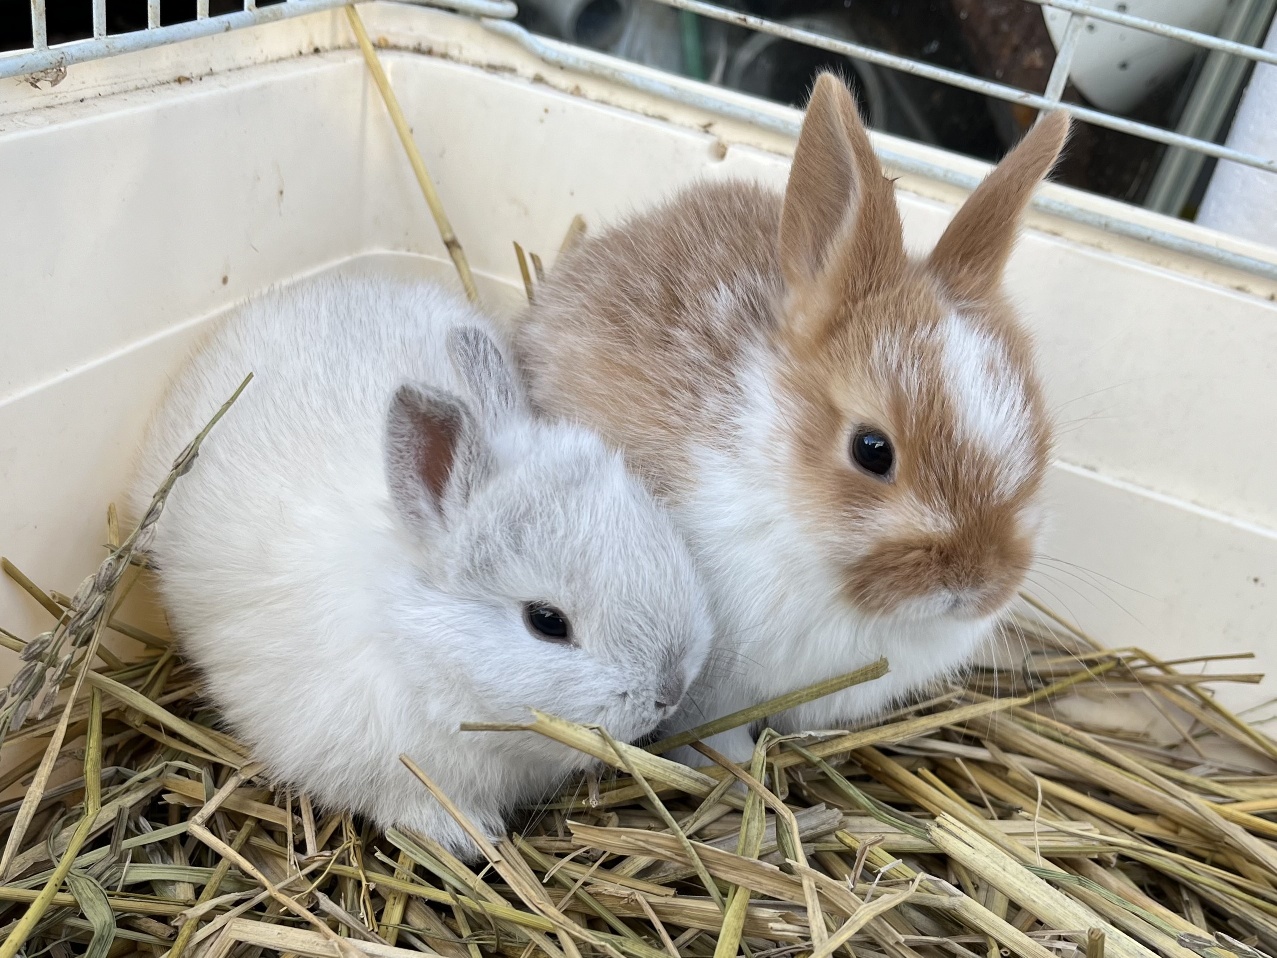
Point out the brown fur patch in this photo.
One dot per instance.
(639, 330)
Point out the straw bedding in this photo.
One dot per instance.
(973, 823)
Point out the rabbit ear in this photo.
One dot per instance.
(434, 453)
(484, 369)
(839, 220)
(972, 253)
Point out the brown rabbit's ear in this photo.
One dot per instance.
(839, 210)
(974, 249)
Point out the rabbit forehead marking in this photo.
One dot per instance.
(988, 397)
(956, 393)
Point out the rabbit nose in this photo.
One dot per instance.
(670, 693)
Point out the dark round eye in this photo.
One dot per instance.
(547, 622)
(872, 451)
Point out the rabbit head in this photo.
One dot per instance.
(540, 529)
(919, 438)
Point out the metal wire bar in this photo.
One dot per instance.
(42, 57)
(152, 14)
(1059, 77)
(201, 9)
(702, 97)
(99, 19)
(1204, 40)
(1000, 91)
(39, 26)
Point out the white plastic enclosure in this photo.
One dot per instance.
(147, 193)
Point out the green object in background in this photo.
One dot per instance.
(690, 26)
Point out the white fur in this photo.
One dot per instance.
(992, 408)
(335, 631)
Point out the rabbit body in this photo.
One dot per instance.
(739, 344)
(352, 559)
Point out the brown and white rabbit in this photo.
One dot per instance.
(852, 439)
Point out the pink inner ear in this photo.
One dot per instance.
(435, 448)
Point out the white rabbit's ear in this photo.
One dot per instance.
(480, 363)
(435, 454)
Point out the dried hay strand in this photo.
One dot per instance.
(974, 823)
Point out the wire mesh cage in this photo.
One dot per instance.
(1156, 85)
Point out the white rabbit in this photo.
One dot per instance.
(852, 439)
(379, 541)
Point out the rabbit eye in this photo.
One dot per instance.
(546, 622)
(872, 451)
